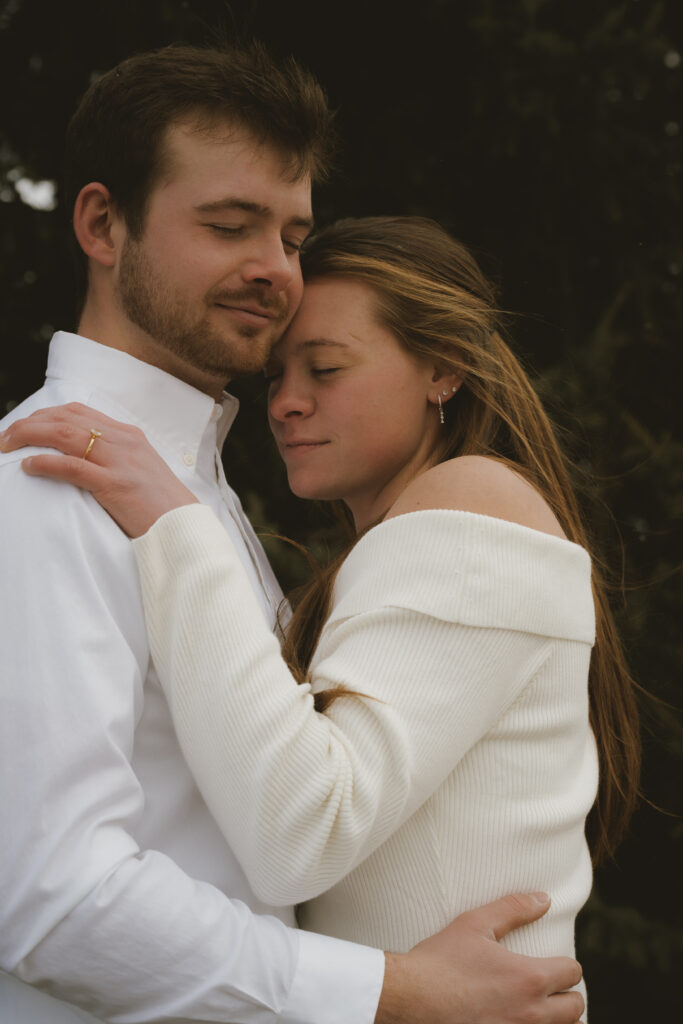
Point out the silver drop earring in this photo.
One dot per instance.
(445, 393)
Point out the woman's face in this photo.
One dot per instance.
(347, 405)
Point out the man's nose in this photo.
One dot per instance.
(270, 264)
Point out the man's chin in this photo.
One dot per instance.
(249, 358)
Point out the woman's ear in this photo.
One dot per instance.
(444, 386)
(94, 221)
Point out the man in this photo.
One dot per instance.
(189, 173)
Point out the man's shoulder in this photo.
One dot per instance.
(43, 519)
(53, 392)
(34, 501)
(37, 400)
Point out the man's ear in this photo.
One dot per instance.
(95, 222)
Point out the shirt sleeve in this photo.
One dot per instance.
(84, 912)
(304, 797)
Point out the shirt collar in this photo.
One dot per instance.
(171, 412)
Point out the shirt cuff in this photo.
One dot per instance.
(335, 982)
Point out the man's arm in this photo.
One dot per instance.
(84, 912)
(463, 976)
(23, 1004)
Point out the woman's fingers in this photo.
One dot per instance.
(83, 473)
(69, 429)
(75, 413)
(71, 439)
(112, 460)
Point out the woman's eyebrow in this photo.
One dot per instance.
(320, 342)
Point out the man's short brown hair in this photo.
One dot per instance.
(115, 137)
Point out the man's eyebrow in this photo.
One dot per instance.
(232, 203)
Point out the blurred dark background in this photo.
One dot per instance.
(547, 135)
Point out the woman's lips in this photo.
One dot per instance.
(301, 447)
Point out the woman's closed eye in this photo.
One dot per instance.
(272, 376)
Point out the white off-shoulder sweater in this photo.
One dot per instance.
(466, 771)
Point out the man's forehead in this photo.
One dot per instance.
(186, 140)
(209, 130)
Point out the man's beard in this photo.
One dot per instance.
(168, 319)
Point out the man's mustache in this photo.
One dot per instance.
(278, 308)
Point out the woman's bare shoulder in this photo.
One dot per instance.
(475, 483)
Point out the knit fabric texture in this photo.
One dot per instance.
(462, 770)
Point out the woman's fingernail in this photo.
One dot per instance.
(3, 438)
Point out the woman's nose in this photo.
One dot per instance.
(288, 398)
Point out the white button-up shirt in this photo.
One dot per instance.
(114, 878)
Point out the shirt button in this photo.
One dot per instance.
(216, 413)
(188, 459)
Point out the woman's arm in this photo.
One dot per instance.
(303, 797)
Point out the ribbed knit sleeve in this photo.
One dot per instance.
(439, 619)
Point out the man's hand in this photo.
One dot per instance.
(463, 976)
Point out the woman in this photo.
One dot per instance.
(438, 751)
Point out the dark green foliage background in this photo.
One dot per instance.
(547, 135)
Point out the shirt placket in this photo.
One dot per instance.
(266, 578)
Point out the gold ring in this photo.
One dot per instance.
(94, 434)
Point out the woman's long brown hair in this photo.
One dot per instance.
(432, 295)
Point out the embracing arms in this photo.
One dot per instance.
(304, 797)
(447, 978)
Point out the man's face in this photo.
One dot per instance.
(215, 278)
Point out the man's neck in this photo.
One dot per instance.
(112, 331)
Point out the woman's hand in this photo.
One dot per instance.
(112, 460)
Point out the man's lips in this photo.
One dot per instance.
(255, 315)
